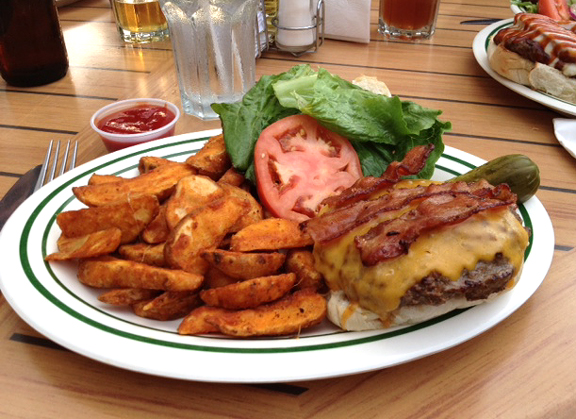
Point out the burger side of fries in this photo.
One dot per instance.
(187, 240)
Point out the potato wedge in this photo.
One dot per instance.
(195, 322)
(90, 245)
(301, 262)
(157, 230)
(129, 216)
(169, 305)
(254, 212)
(202, 229)
(215, 278)
(127, 296)
(211, 160)
(110, 272)
(191, 192)
(250, 293)
(148, 163)
(232, 177)
(287, 316)
(150, 254)
(97, 179)
(270, 234)
(159, 182)
(244, 265)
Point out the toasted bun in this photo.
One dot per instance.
(540, 77)
(372, 84)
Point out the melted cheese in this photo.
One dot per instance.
(448, 251)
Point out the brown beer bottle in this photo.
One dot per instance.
(32, 49)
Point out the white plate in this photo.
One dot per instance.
(50, 298)
(480, 46)
(565, 132)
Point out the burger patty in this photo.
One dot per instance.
(486, 278)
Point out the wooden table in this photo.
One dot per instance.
(524, 367)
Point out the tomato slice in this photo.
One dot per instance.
(298, 163)
(555, 9)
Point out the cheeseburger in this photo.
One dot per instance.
(397, 252)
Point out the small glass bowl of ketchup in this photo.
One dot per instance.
(134, 121)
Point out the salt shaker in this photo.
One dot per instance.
(295, 25)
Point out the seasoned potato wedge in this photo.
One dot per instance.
(232, 177)
(215, 278)
(244, 265)
(159, 182)
(150, 254)
(301, 262)
(270, 234)
(89, 245)
(191, 192)
(250, 293)
(148, 163)
(202, 229)
(212, 159)
(96, 179)
(195, 322)
(287, 316)
(157, 230)
(169, 305)
(127, 296)
(254, 212)
(110, 272)
(129, 216)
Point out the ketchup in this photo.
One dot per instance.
(136, 120)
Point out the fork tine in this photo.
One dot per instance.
(42, 175)
(65, 159)
(74, 154)
(54, 162)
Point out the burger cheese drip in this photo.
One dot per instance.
(541, 39)
(441, 242)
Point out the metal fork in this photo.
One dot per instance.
(52, 163)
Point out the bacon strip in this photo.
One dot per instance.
(393, 238)
(413, 162)
(339, 222)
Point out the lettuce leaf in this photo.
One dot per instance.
(381, 129)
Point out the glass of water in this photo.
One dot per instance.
(213, 43)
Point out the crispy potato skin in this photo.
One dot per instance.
(110, 272)
(157, 230)
(301, 262)
(244, 265)
(195, 322)
(89, 245)
(130, 217)
(197, 231)
(270, 234)
(144, 253)
(250, 293)
(284, 317)
(211, 160)
(127, 296)
(169, 305)
(159, 182)
(191, 192)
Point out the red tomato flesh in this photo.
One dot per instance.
(555, 9)
(299, 163)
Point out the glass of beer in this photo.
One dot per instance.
(408, 19)
(140, 21)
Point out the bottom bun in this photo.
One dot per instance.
(350, 316)
(538, 76)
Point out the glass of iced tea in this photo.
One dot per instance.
(140, 21)
(408, 19)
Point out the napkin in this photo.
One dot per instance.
(347, 20)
